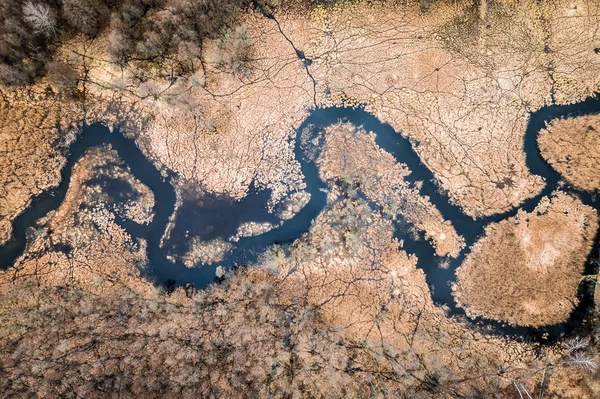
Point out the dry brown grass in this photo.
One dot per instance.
(36, 127)
(461, 91)
(526, 269)
(352, 156)
(373, 292)
(572, 147)
(462, 94)
(32, 125)
(464, 100)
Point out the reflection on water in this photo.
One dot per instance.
(211, 216)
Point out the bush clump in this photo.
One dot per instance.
(234, 51)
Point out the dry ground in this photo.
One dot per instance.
(458, 84)
(459, 87)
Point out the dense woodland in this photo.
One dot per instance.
(151, 30)
(242, 338)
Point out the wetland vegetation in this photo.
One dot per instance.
(299, 199)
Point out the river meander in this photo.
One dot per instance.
(219, 217)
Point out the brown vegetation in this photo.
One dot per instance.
(480, 72)
(145, 30)
(234, 52)
(343, 311)
(80, 243)
(37, 125)
(461, 94)
(205, 252)
(303, 326)
(351, 156)
(35, 128)
(572, 147)
(402, 64)
(526, 269)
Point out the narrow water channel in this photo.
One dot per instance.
(218, 217)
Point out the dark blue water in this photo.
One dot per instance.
(210, 216)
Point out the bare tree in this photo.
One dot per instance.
(583, 360)
(234, 51)
(40, 17)
(576, 344)
(576, 356)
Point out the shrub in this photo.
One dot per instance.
(86, 16)
(61, 75)
(234, 51)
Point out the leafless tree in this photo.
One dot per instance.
(521, 390)
(576, 355)
(576, 344)
(234, 52)
(86, 16)
(583, 360)
(40, 17)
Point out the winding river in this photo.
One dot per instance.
(219, 217)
